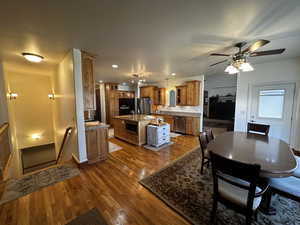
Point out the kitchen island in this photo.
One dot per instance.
(96, 134)
(132, 128)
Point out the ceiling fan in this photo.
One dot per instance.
(238, 61)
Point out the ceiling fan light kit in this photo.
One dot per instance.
(239, 60)
(231, 69)
(246, 67)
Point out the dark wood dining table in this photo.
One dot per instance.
(273, 155)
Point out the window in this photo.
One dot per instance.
(270, 104)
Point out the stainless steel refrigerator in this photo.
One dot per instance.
(144, 105)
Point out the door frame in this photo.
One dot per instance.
(249, 101)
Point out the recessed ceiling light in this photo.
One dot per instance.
(173, 74)
(101, 81)
(32, 57)
(115, 66)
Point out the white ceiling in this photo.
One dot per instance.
(156, 37)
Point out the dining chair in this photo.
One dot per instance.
(209, 134)
(204, 152)
(287, 186)
(235, 185)
(257, 128)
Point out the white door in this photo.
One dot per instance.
(273, 105)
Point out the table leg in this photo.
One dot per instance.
(265, 205)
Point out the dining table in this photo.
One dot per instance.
(274, 156)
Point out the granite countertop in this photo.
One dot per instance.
(137, 117)
(179, 113)
(95, 125)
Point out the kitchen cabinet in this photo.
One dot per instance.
(193, 93)
(188, 94)
(160, 96)
(192, 126)
(181, 95)
(126, 94)
(150, 92)
(96, 142)
(88, 81)
(112, 96)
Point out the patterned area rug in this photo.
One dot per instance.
(16, 188)
(181, 186)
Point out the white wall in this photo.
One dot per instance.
(32, 110)
(77, 69)
(220, 84)
(283, 71)
(65, 83)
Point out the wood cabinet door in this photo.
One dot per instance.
(88, 82)
(102, 136)
(162, 96)
(193, 93)
(156, 97)
(92, 145)
(192, 126)
(189, 125)
(181, 95)
(144, 92)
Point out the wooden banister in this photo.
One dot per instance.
(66, 135)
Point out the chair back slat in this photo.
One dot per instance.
(247, 172)
(203, 140)
(222, 167)
(210, 135)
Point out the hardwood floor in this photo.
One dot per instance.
(111, 186)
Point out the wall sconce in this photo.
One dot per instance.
(12, 96)
(51, 96)
(36, 136)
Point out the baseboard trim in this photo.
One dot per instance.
(80, 164)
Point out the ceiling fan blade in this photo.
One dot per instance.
(270, 52)
(218, 63)
(256, 45)
(219, 54)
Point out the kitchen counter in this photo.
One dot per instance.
(179, 113)
(95, 125)
(137, 117)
